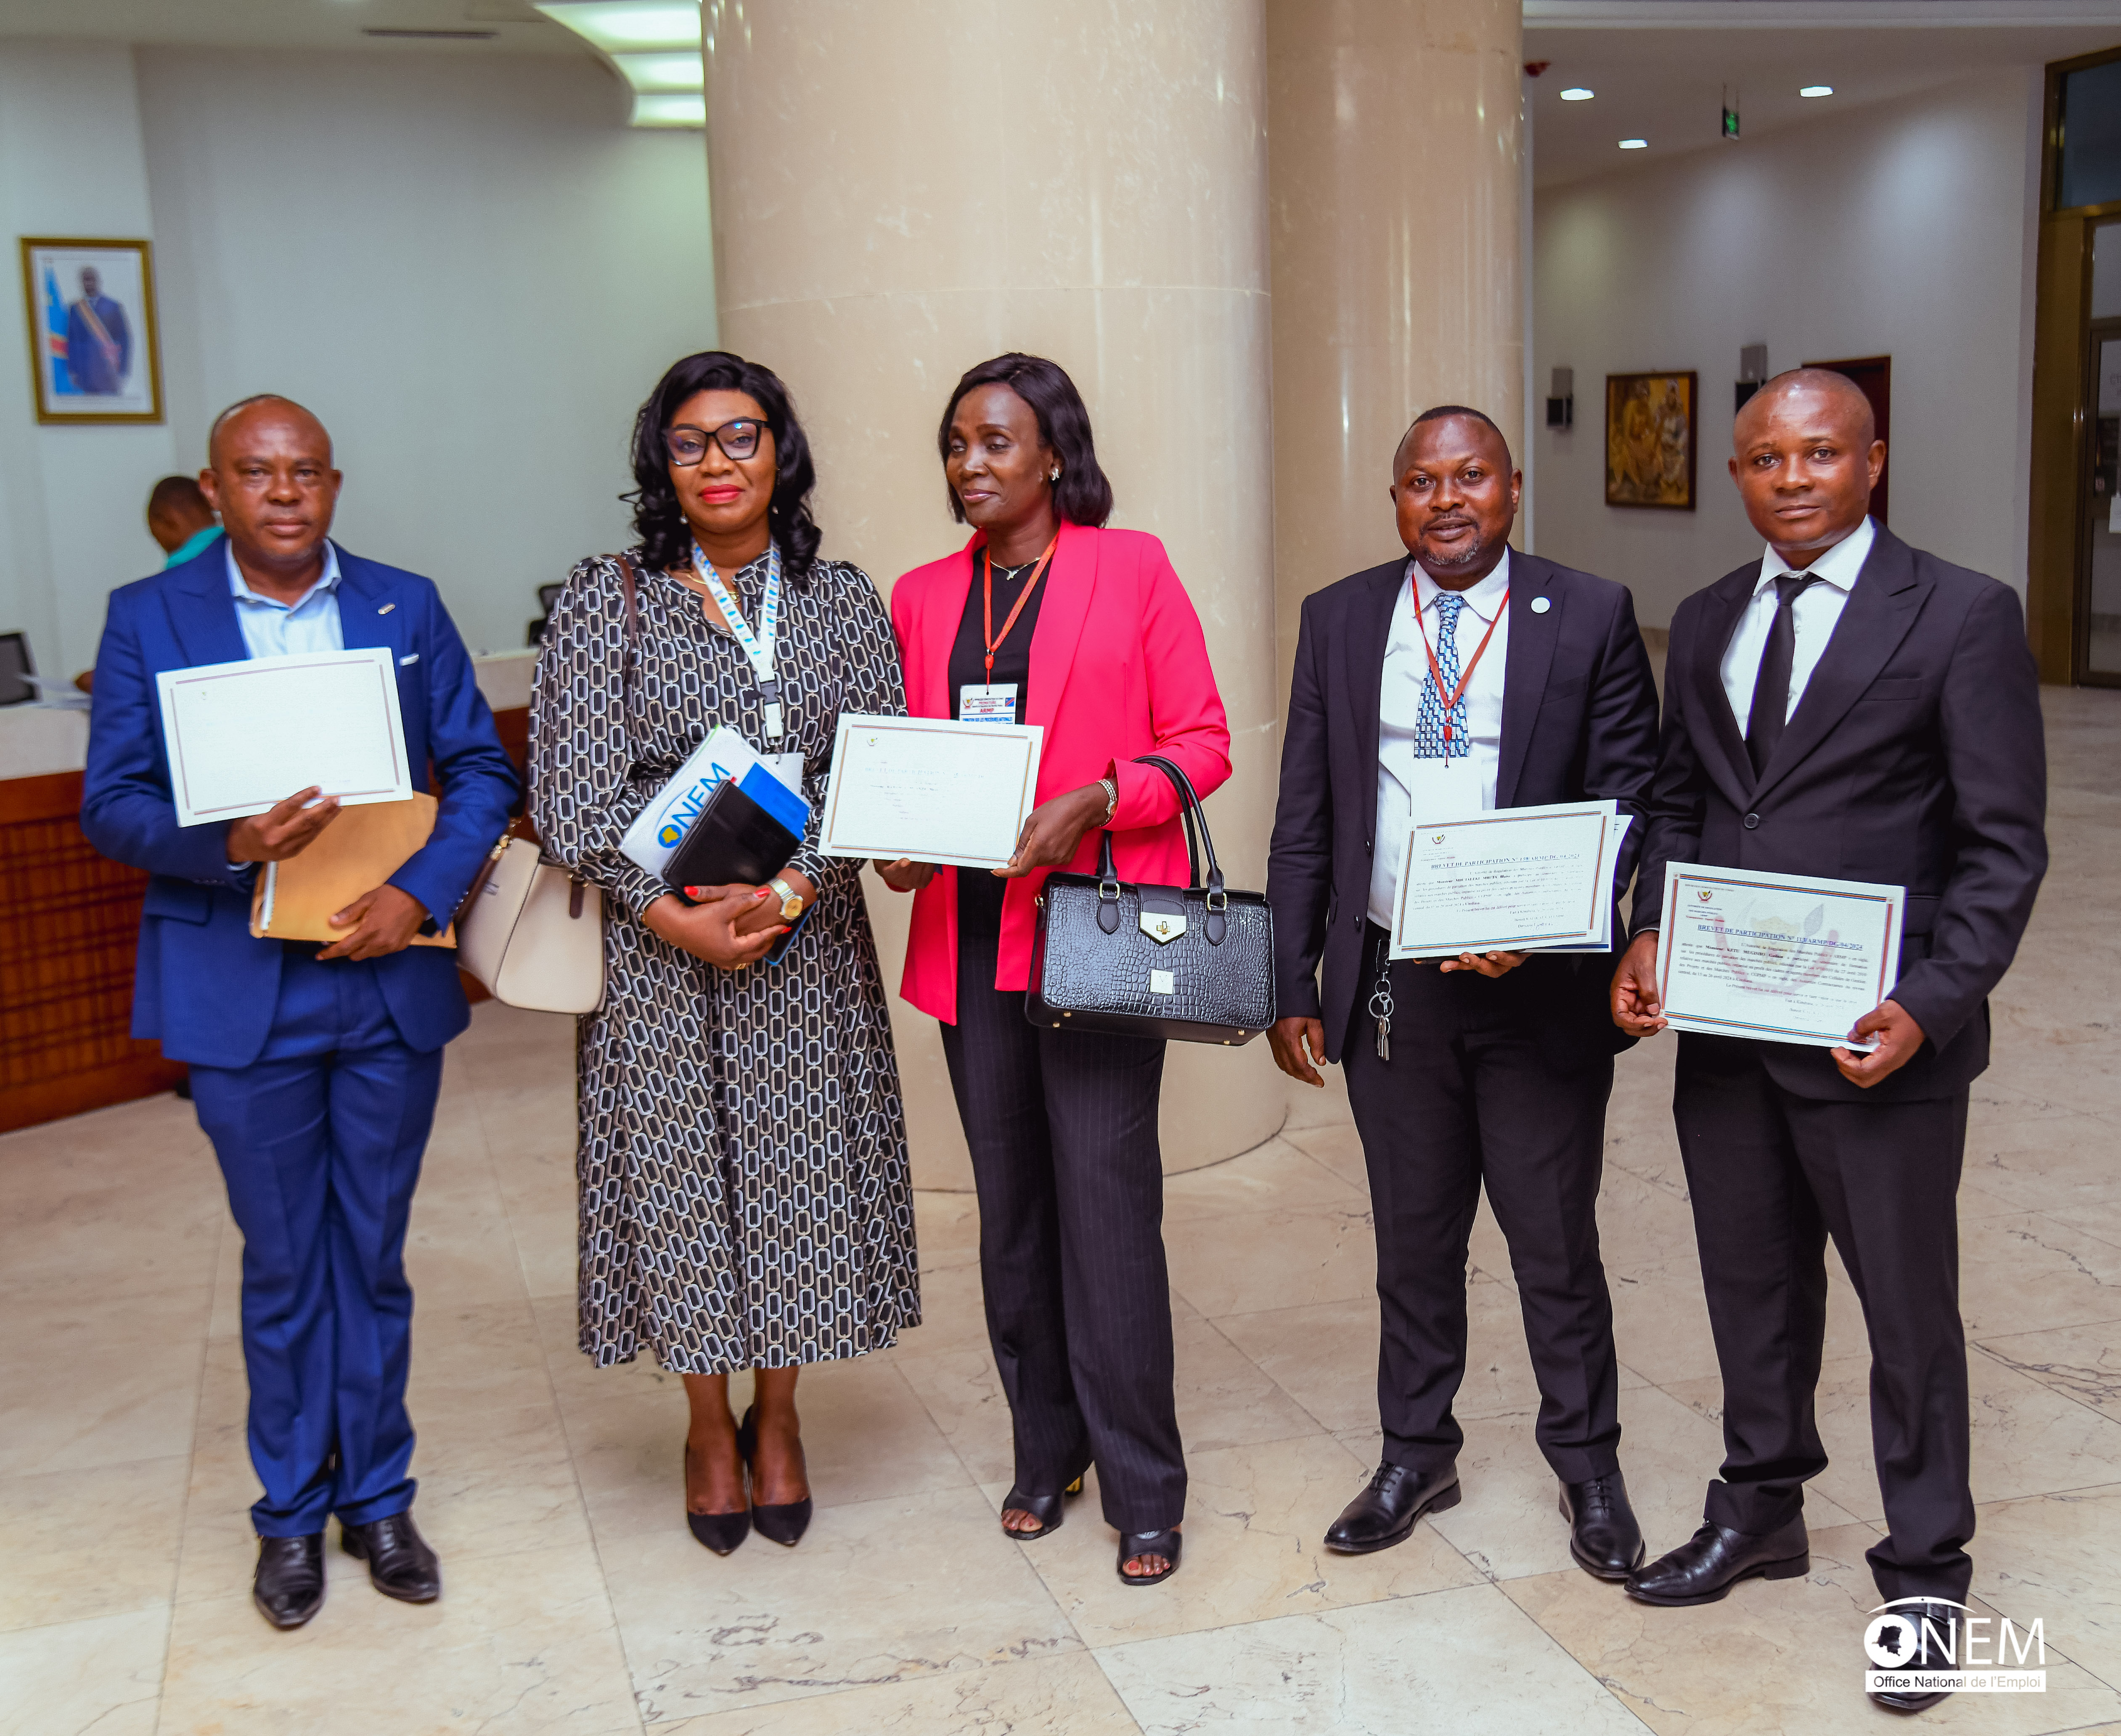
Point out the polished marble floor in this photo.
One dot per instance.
(577, 1604)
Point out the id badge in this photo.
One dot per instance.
(1442, 789)
(994, 704)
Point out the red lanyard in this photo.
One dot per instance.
(994, 644)
(1436, 674)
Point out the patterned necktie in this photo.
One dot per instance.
(1770, 707)
(1428, 726)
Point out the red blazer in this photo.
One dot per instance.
(1118, 668)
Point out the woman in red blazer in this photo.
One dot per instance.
(1046, 617)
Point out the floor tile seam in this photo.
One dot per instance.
(2060, 1392)
(1555, 1641)
(148, 1601)
(184, 1504)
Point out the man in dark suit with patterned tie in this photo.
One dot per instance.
(1854, 708)
(1461, 676)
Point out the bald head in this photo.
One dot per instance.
(1824, 395)
(269, 475)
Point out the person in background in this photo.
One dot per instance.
(179, 519)
(1106, 654)
(1847, 708)
(746, 1203)
(1461, 677)
(315, 1068)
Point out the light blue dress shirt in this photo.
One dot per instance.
(272, 629)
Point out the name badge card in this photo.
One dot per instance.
(992, 704)
(1442, 789)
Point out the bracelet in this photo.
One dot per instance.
(1111, 789)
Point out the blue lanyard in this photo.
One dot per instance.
(757, 646)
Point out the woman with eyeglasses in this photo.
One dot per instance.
(745, 1201)
(1044, 617)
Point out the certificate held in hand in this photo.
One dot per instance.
(1509, 880)
(929, 790)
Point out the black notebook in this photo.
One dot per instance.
(745, 835)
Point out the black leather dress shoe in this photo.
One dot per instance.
(1384, 1512)
(289, 1587)
(400, 1563)
(1709, 1564)
(1603, 1536)
(1935, 1647)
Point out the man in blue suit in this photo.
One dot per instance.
(99, 342)
(315, 1068)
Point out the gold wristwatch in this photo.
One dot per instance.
(791, 906)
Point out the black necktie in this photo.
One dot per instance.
(1763, 726)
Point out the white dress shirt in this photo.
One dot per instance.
(272, 628)
(1817, 608)
(1414, 624)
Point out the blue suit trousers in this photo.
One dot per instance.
(320, 1140)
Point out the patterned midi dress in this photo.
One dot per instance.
(745, 1198)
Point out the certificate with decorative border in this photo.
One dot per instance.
(244, 737)
(1506, 880)
(1779, 957)
(928, 790)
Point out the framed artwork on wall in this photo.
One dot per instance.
(95, 352)
(1650, 440)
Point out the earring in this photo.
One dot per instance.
(1053, 475)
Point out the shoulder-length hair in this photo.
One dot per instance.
(666, 539)
(1083, 495)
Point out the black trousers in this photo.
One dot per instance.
(1062, 1129)
(1773, 1175)
(1502, 1082)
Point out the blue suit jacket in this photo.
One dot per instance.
(206, 988)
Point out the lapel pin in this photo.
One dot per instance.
(388, 606)
(1541, 605)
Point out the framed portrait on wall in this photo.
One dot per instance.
(95, 353)
(1650, 440)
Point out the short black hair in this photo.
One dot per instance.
(1445, 413)
(178, 494)
(1083, 495)
(666, 540)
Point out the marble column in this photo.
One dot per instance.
(1395, 193)
(900, 192)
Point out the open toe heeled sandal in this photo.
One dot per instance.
(1048, 1510)
(1135, 1544)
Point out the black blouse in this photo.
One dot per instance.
(979, 892)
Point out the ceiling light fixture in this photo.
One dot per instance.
(1577, 93)
(655, 44)
(1816, 90)
(1634, 144)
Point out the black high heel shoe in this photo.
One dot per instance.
(1046, 1508)
(720, 1532)
(784, 1523)
(1135, 1544)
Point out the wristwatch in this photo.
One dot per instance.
(791, 906)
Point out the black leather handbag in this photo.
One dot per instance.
(1194, 963)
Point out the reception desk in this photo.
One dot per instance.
(71, 919)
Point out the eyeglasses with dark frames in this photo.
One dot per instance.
(737, 439)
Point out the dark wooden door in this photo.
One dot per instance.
(1874, 374)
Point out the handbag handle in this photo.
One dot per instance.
(1195, 816)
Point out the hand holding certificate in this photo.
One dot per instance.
(1511, 879)
(1775, 957)
(929, 790)
(244, 737)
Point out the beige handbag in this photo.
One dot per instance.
(532, 932)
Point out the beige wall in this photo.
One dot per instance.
(898, 193)
(1394, 212)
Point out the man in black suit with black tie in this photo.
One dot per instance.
(1852, 709)
(1464, 677)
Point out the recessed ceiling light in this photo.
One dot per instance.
(1634, 144)
(1577, 93)
(1816, 90)
(629, 27)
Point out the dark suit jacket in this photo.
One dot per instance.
(1579, 722)
(205, 987)
(1915, 758)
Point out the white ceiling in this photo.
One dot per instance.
(1663, 80)
(510, 26)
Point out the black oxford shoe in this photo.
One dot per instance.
(289, 1586)
(1603, 1536)
(400, 1563)
(1707, 1565)
(1936, 1648)
(1384, 1512)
